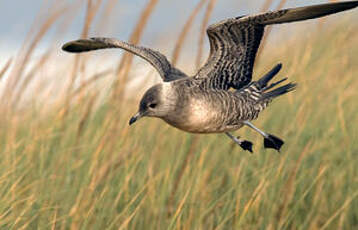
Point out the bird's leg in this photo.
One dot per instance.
(270, 141)
(244, 144)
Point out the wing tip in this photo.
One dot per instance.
(73, 46)
(308, 12)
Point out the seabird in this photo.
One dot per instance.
(204, 102)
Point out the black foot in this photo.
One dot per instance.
(246, 145)
(273, 142)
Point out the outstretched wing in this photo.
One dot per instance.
(234, 42)
(156, 59)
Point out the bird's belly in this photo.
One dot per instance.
(203, 117)
(205, 128)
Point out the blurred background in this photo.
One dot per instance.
(70, 160)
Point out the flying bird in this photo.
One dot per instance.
(204, 103)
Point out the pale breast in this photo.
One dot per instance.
(203, 117)
(202, 112)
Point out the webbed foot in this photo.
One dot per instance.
(246, 145)
(273, 142)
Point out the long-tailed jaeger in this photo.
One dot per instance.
(203, 103)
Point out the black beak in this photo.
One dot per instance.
(135, 118)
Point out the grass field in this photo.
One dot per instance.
(76, 164)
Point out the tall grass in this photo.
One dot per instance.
(88, 170)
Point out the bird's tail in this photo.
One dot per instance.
(259, 94)
(278, 91)
(263, 87)
(304, 13)
(262, 83)
(260, 91)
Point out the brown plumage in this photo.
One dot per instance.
(203, 103)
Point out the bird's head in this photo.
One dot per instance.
(156, 102)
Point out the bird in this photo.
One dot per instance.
(221, 97)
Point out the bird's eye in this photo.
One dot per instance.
(153, 105)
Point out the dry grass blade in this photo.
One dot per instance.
(288, 188)
(259, 189)
(204, 25)
(180, 173)
(17, 71)
(266, 5)
(184, 32)
(54, 220)
(91, 11)
(340, 210)
(25, 83)
(45, 58)
(127, 58)
(268, 30)
(180, 208)
(130, 217)
(90, 81)
(133, 200)
(103, 22)
(85, 117)
(5, 68)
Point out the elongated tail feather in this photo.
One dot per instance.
(268, 76)
(277, 92)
